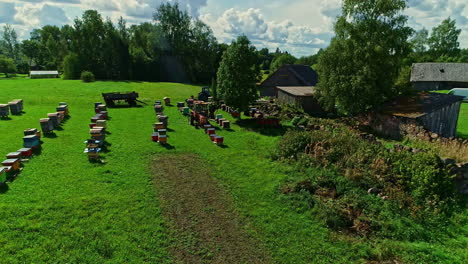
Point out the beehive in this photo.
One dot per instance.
(4, 110)
(157, 126)
(158, 109)
(13, 163)
(157, 102)
(206, 127)
(221, 120)
(54, 118)
(3, 174)
(15, 108)
(213, 136)
(218, 140)
(13, 155)
(190, 102)
(210, 131)
(97, 104)
(60, 116)
(180, 105)
(101, 123)
(31, 141)
(218, 116)
(20, 103)
(167, 100)
(186, 111)
(226, 124)
(46, 125)
(30, 131)
(155, 136)
(25, 152)
(162, 139)
(163, 119)
(162, 132)
(92, 125)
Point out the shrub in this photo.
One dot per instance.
(87, 76)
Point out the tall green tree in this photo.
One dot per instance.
(444, 39)
(359, 68)
(9, 43)
(7, 65)
(281, 60)
(30, 49)
(237, 74)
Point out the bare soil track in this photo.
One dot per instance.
(204, 226)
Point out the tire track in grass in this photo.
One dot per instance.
(204, 225)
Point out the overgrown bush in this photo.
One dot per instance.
(87, 76)
(71, 67)
(366, 188)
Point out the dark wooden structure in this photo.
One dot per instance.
(302, 96)
(288, 75)
(439, 76)
(130, 97)
(437, 113)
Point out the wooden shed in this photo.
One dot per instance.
(437, 113)
(288, 75)
(44, 74)
(439, 76)
(302, 96)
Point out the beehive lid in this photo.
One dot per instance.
(52, 114)
(2, 170)
(13, 103)
(30, 137)
(163, 136)
(44, 120)
(14, 154)
(24, 149)
(101, 121)
(3, 105)
(9, 161)
(162, 130)
(63, 103)
(155, 134)
(6, 168)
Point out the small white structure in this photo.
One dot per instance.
(44, 74)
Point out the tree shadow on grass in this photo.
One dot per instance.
(5, 118)
(251, 125)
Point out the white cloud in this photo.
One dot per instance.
(7, 13)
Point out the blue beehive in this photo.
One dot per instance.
(31, 141)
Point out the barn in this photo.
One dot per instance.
(437, 113)
(44, 74)
(439, 76)
(302, 96)
(288, 75)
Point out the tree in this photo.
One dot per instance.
(281, 60)
(237, 74)
(444, 39)
(359, 68)
(7, 65)
(30, 49)
(71, 67)
(9, 43)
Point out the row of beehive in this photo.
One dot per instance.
(15, 107)
(160, 128)
(209, 129)
(234, 113)
(54, 120)
(12, 165)
(97, 132)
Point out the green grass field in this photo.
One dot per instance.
(63, 209)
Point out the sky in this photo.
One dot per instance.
(301, 27)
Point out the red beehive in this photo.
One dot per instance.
(13, 155)
(213, 136)
(92, 125)
(155, 136)
(26, 152)
(210, 131)
(219, 140)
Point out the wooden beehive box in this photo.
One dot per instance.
(46, 125)
(13, 163)
(13, 155)
(155, 136)
(26, 152)
(226, 124)
(162, 139)
(162, 132)
(167, 100)
(4, 110)
(31, 141)
(163, 119)
(15, 108)
(101, 123)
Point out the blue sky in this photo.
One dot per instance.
(299, 26)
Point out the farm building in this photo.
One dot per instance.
(302, 96)
(44, 74)
(439, 76)
(436, 113)
(288, 75)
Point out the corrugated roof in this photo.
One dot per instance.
(298, 90)
(439, 72)
(44, 72)
(419, 105)
(304, 73)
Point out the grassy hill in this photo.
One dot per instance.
(64, 209)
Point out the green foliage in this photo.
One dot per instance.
(237, 74)
(403, 84)
(358, 70)
(281, 60)
(444, 39)
(7, 65)
(71, 67)
(9, 43)
(87, 77)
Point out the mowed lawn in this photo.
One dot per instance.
(462, 128)
(64, 209)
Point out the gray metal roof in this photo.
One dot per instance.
(439, 72)
(298, 90)
(44, 73)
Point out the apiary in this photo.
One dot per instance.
(4, 110)
(13, 155)
(54, 118)
(13, 163)
(167, 100)
(218, 140)
(31, 141)
(26, 152)
(15, 108)
(155, 136)
(47, 125)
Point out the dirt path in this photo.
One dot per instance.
(204, 226)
